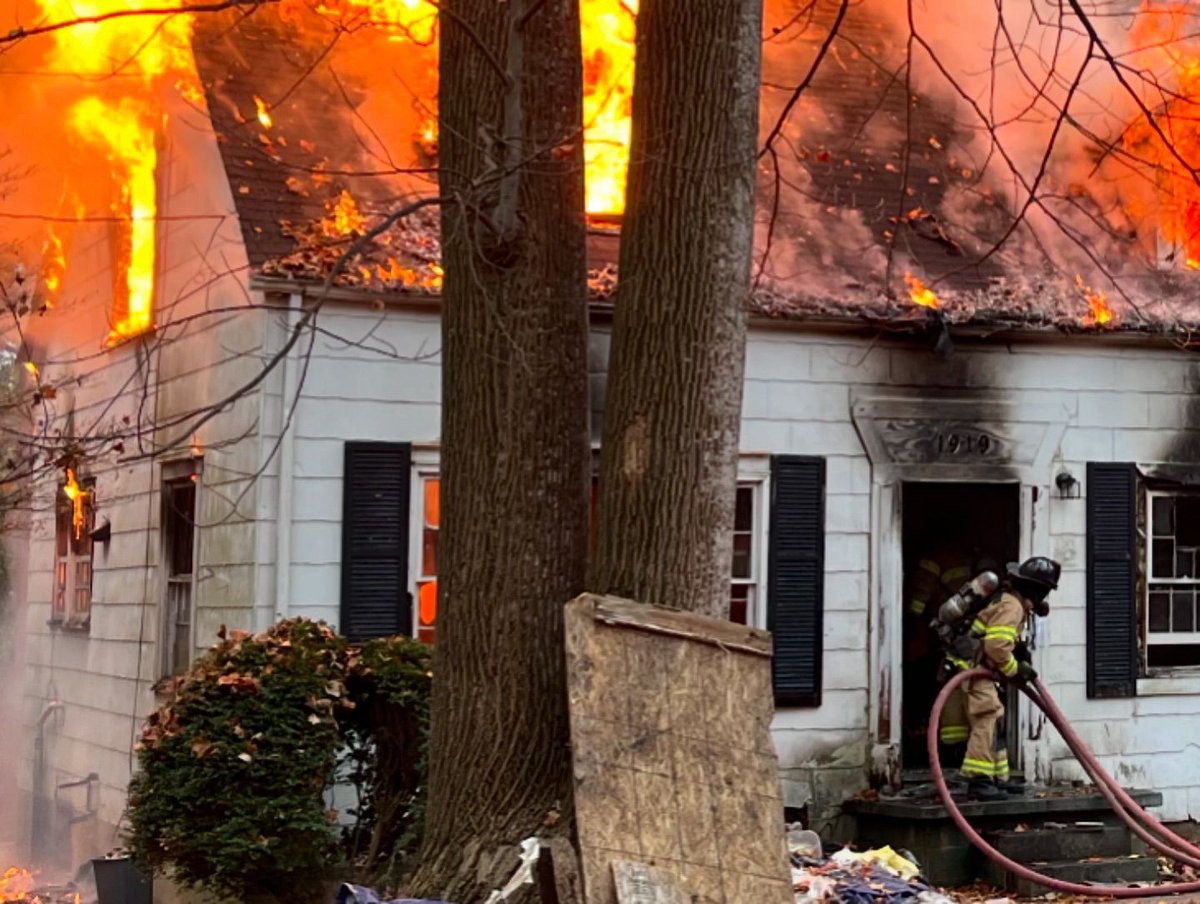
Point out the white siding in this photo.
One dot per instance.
(206, 347)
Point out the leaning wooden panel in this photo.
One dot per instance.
(674, 766)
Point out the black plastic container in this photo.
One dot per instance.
(118, 881)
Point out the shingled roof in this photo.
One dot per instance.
(867, 169)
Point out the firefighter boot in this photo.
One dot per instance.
(984, 789)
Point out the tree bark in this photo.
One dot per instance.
(514, 455)
(671, 422)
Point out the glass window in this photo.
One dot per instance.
(74, 521)
(1172, 623)
(744, 597)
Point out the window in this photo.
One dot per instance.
(430, 521)
(180, 481)
(75, 519)
(1172, 630)
(744, 583)
(743, 595)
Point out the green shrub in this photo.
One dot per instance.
(234, 770)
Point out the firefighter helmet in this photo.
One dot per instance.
(1038, 573)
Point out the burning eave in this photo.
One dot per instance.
(1050, 312)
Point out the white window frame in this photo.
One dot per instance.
(753, 471)
(1163, 638)
(176, 472)
(426, 463)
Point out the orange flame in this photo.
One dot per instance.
(76, 494)
(124, 130)
(264, 117)
(343, 217)
(54, 264)
(920, 293)
(1099, 313)
(1167, 32)
(152, 48)
(608, 28)
(16, 884)
(607, 31)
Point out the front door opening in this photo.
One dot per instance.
(961, 528)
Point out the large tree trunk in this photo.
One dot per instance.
(671, 421)
(514, 436)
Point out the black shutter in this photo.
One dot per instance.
(375, 513)
(1112, 633)
(796, 578)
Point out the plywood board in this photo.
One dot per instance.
(673, 761)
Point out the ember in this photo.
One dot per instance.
(264, 117)
(920, 293)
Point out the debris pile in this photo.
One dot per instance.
(17, 884)
(878, 876)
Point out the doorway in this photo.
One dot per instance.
(963, 528)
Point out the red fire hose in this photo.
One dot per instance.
(1124, 805)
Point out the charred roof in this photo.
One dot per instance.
(864, 181)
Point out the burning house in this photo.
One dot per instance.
(971, 327)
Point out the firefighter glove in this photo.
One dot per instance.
(1021, 652)
(1025, 673)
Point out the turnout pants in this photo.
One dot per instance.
(973, 712)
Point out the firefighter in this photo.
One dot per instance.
(977, 705)
(952, 732)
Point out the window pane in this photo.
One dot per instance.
(1163, 514)
(427, 603)
(1163, 560)
(1185, 562)
(1160, 610)
(62, 527)
(1187, 520)
(738, 598)
(433, 502)
(1183, 610)
(741, 555)
(181, 527)
(429, 544)
(743, 518)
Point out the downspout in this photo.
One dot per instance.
(40, 828)
(287, 464)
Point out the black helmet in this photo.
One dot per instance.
(1035, 577)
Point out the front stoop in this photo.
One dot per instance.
(1055, 828)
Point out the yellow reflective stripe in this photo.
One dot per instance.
(1008, 669)
(917, 607)
(978, 767)
(956, 576)
(979, 626)
(930, 566)
(1002, 631)
(961, 663)
(951, 734)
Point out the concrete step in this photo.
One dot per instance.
(925, 828)
(1132, 870)
(1061, 841)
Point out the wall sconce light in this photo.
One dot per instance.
(102, 532)
(1068, 486)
